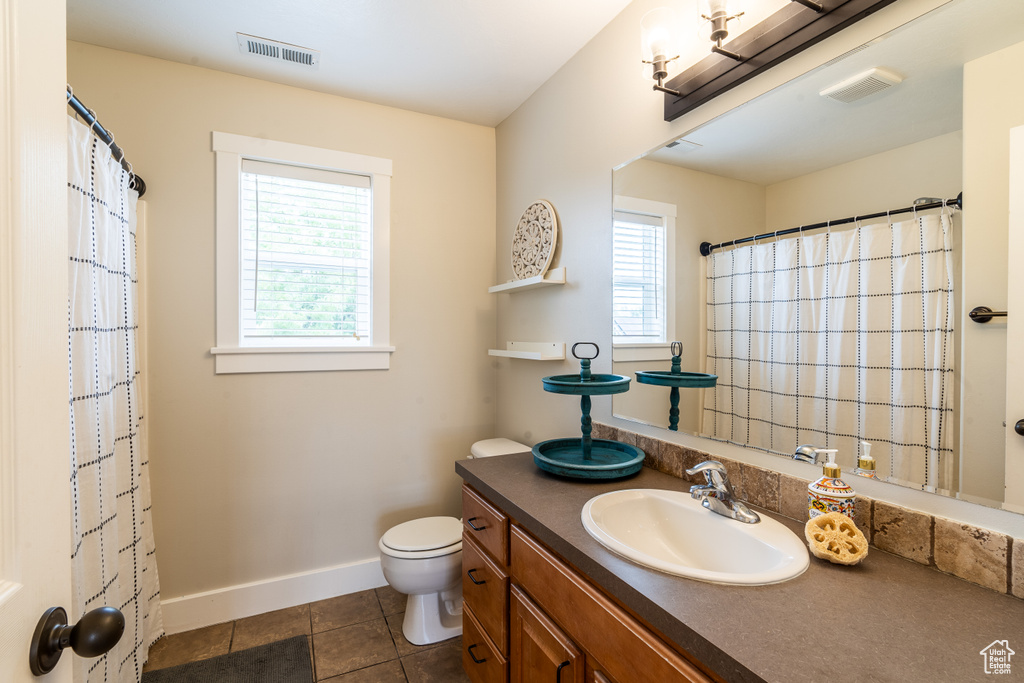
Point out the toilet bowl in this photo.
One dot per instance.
(422, 558)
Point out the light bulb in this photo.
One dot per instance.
(657, 34)
(717, 7)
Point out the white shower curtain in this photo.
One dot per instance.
(834, 338)
(113, 554)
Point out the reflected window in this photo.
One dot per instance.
(641, 289)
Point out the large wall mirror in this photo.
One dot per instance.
(856, 331)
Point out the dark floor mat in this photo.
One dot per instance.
(286, 661)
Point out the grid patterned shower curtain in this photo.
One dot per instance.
(834, 338)
(113, 554)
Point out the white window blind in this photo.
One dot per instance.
(638, 278)
(306, 253)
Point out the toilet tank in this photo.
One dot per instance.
(491, 447)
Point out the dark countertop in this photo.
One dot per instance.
(886, 619)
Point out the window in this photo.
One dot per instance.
(302, 258)
(642, 272)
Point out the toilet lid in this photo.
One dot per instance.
(427, 533)
(492, 447)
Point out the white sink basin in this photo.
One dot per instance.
(672, 532)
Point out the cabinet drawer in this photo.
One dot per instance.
(485, 524)
(629, 650)
(480, 660)
(485, 590)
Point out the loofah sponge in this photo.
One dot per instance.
(834, 537)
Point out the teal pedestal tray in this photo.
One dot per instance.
(608, 459)
(676, 379)
(666, 378)
(587, 458)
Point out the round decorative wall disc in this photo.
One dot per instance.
(533, 243)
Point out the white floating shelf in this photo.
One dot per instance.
(531, 350)
(552, 277)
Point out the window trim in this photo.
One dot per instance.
(628, 351)
(230, 356)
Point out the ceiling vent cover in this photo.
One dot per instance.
(683, 145)
(278, 51)
(862, 85)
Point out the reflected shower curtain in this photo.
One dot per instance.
(834, 338)
(113, 554)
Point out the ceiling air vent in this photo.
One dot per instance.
(683, 145)
(278, 51)
(862, 85)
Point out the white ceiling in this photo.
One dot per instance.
(470, 60)
(792, 131)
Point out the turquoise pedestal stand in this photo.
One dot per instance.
(675, 378)
(586, 457)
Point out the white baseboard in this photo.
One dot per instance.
(235, 602)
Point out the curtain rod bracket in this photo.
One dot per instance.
(134, 181)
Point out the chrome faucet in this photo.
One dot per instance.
(717, 495)
(806, 453)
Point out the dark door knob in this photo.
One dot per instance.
(94, 634)
(1019, 427)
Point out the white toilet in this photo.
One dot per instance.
(422, 558)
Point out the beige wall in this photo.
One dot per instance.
(993, 103)
(595, 114)
(264, 475)
(930, 168)
(710, 208)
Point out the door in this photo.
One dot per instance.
(35, 529)
(541, 652)
(1015, 328)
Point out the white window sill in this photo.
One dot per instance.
(633, 352)
(231, 360)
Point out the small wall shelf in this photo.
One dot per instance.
(552, 277)
(531, 350)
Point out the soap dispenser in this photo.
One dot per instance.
(830, 493)
(865, 463)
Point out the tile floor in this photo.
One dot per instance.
(353, 638)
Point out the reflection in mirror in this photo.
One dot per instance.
(853, 332)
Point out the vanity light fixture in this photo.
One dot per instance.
(810, 4)
(657, 41)
(793, 28)
(719, 18)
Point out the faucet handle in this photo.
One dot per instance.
(714, 473)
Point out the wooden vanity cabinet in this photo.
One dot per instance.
(485, 590)
(544, 621)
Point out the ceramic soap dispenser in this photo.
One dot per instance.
(830, 493)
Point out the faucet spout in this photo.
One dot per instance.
(718, 496)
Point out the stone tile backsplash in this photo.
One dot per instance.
(987, 558)
(902, 532)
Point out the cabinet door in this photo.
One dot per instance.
(596, 673)
(541, 652)
(628, 649)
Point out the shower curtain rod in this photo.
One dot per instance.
(136, 182)
(706, 247)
